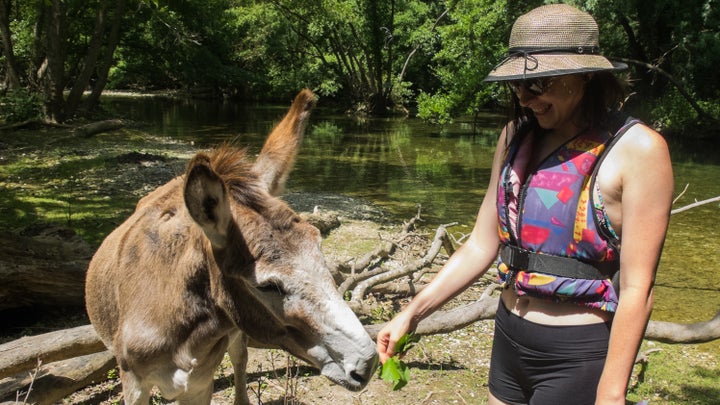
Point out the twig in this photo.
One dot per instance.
(695, 204)
(681, 194)
(33, 376)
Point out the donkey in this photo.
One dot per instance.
(212, 259)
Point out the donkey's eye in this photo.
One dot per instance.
(271, 288)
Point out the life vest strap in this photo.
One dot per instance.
(520, 259)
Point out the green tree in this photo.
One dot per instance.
(351, 49)
(673, 49)
(179, 45)
(70, 48)
(370, 54)
(471, 44)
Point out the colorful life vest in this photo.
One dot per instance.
(557, 242)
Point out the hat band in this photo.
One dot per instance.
(531, 62)
(593, 50)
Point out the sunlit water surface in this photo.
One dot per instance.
(399, 164)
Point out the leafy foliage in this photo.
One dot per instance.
(369, 55)
(19, 105)
(471, 45)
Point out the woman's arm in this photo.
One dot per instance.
(646, 189)
(463, 268)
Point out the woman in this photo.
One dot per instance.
(570, 183)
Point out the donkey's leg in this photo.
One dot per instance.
(237, 349)
(134, 392)
(201, 396)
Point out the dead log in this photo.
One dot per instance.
(484, 308)
(94, 128)
(42, 266)
(55, 381)
(23, 354)
(382, 252)
(324, 221)
(668, 332)
(359, 270)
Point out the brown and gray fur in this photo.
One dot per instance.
(214, 257)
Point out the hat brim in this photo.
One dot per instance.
(538, 65)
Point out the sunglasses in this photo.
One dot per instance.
(536, 86)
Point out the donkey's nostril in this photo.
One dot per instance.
(358, 377)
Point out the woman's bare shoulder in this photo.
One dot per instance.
(640, 138)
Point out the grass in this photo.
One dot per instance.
(676, 374)
(80, 184)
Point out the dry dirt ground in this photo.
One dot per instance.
(445, 369)
(451, 369)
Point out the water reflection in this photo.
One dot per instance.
(397, 164)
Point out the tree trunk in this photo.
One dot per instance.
(42, 268)
(13, 76)
(91, 56)
(53, 79)
(108, 58)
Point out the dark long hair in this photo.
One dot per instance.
(604, 96)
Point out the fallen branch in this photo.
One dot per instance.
(23, 354)
(52, 382)
(695, 204)
(94, 128)
(33, 121)
(669, 332)
(380, 253)
(450, 320)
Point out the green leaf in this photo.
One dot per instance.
(406, 342)
(395, 370)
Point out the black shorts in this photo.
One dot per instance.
(542, 364)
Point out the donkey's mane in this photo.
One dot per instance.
(232, 165)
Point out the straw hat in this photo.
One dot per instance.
(552, 40)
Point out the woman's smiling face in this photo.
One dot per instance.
(557, 107)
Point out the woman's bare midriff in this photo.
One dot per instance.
(546, 312)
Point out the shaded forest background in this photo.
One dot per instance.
(419, 57)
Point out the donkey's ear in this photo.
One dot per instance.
(278, 154)
(207, 201)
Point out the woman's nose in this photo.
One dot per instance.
(524, 96)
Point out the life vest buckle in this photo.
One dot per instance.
(515, 258)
